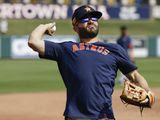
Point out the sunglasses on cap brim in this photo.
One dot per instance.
(84, 20)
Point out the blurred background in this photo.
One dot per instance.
(22, 71)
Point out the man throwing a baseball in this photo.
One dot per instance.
(88, 68)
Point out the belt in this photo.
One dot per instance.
(74, 118)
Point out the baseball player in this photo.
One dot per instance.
(126, 42)
(88, 68)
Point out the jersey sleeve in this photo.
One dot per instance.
(124, 63)
(53, 51)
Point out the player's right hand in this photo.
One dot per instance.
(51, 28)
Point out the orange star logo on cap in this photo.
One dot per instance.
(88, 9)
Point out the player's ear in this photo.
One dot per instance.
(75, 28)
(75, 25)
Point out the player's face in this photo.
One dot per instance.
(88, 27)
(124, 32)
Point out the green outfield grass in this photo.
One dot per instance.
(150, 69)
(29, 76)
(43, 75)
(107, 27)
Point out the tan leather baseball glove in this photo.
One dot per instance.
(135, 95)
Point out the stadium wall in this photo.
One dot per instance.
(55, 11)
(16, 47)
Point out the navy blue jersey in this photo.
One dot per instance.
(125, 42)
(88, 71)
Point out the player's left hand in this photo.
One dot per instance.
(135, 95)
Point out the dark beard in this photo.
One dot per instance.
(84, 33)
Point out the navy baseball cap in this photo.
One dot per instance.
(84, 11)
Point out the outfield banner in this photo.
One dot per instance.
(140, 44)
(0, 47)
(55, 11)
(16, 47)
(20, 48)
(158, 46)
(156, 12)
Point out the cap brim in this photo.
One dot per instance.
(95, 14)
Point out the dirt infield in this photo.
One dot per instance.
(49, 106)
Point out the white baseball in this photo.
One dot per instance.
(52, 29)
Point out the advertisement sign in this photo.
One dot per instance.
(140, 44)
(55, 11)
(20, 48)
(158, 46)
(129, 12)
(0, 48)
(140, 47)
(156, 12)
